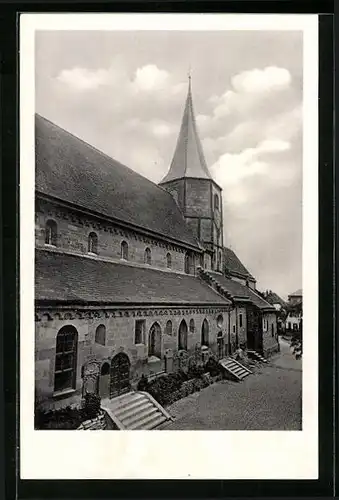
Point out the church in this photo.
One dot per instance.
(133, 278)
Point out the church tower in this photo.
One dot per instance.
(197, 194)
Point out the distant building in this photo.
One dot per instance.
(293, 321)
(272, 298)
(296, 297)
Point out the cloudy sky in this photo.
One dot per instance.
(124, 93)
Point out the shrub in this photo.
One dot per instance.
(92, 405)
(212, 366)
(143, 383)
(63, 418)
(195, 371)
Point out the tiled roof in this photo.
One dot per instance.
(274, 298)
(240, 291)
(61, 277)
(73, 171)
(233, 264)
(298, 293)
(188, 159)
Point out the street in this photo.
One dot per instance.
(269, 399)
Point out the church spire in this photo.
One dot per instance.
(188, 159)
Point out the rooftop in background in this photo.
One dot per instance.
(240, 291)
(273, 298)
(71, 170)
(298, 293)
(83, 280)
(233, 264)
(188, 159)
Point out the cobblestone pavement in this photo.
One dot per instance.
(269, 399)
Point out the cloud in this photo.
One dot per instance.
(83, 78)
(250, 91)
(150, 77)
(261, 80)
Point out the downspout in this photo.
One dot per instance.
(229, 333)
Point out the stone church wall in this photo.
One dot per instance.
(120, 337)
(73, 231)
(198, 198)
(270, 334)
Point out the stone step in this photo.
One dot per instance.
(234, 368)
(159, 420)
(150, 422)
(123, 401)
(139, 416)
(138, 405)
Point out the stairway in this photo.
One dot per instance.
(255, 355)
(234, 368)
(135, 410)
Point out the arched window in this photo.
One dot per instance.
(204, 333)
(154, 341)
(169, 327)
(51, 233)
(148, 256)
(169, 260)
(182, 337)
(192, 327)
(92, 243)
(187, 263)
(100, 335)
(124, 250)
(216, 202)
(65, 358)
(220, 321)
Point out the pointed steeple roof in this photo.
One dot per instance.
(188, 159)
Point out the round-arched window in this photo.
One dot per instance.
(220, 320)
(169, 260)
(100, 335)
(124, 250)
(148, 256)
(92, 243)
(169, 327)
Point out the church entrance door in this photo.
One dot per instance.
(104, 381)
(120, 373)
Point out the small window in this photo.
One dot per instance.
(233, 328)
(124, 251)
(169, 260)
(272, 330)
(219, 261)
(192, 327)
(220, 320)
(240, 320)
(140, 326)
(187, 263)
(216, 202)
(100, 335)
(51, 233)
(148, 256)
(92, 243)
(169, 327)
